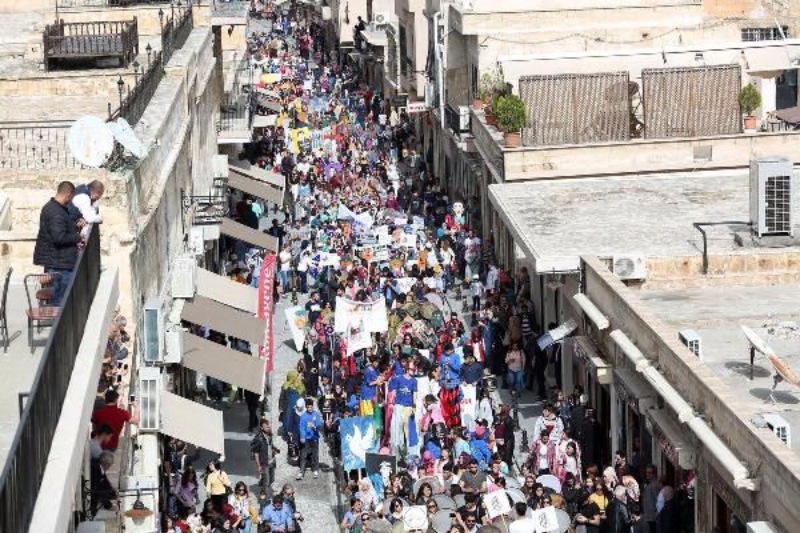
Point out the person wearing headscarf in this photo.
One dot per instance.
(292, 390)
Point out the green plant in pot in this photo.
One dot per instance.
(749, 101)
(485, 91)
(511, 116)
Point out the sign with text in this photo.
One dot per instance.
(265, 309)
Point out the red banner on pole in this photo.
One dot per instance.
(265, 305)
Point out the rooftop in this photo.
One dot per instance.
(556, 221)
(715, 313)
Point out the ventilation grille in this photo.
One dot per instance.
(778, 204)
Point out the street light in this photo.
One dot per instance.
(120, 88)
(136, 71)
(161, 19)
(149, 50)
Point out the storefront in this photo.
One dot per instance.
(595, 375)
(634, 398)
(720, 507)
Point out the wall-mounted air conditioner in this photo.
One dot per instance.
(153, 330)
(149, 395)
(463, 118)
(629, 266)
(380, 19)
(692, 340)
(779, 426)
(173, 344)
(182, 277)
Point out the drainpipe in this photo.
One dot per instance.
(438, 18)
(686, 414)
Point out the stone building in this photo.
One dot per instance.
(659, 272)
(171, 84)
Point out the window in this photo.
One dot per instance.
(764, 34)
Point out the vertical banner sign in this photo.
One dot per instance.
(265, 303)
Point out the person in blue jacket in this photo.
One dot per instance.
(309, 429)
(479, 449)
(450, 381)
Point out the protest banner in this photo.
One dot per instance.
(265, 309)
(497, 503)
(358, 438)
(372, 314)
(297, 318)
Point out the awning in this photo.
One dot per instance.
(584, 350)
(790, 115)
(192, 422)
(219, 317)
(218, 361)
(769, 61)
(633, 390)
(234, 137)
(226, 291)
(231, 228)
(671, 441)
(264, 121)
(255, 188)
(375, 38)
(259, 174)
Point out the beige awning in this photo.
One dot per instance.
(234, 229)
(219, 317)
(259, 174)
(226, 291)
(192, 422)
(264, 121)
(231, 366)
(671, 440)
(234, 137)
(255, 188)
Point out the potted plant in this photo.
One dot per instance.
(749, 101)
(485, 91)
(491, 110)
(511, 117)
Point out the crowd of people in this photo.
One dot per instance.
(409, 326)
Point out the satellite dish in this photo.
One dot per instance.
(90, 141)
(124, 135)
(756, 341)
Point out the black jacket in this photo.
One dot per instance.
(56, 243)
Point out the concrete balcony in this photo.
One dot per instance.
(639, 156)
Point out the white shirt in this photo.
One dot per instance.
(543, 464)
(286, 261)
(522, 525)
(88, 211)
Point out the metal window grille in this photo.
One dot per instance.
(777, 195)
(764, 34)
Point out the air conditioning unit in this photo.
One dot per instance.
(629, 266)
(779, 426)
(219, 166)
(197, 240)
(153, 328)
(173, 344)
(380, 19)
(463, 118)
(182, 278)
(692, 340)
(149, 395)
(430, 94)
(771, 196)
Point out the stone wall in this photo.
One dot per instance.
(777, 466)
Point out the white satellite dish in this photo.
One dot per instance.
(756, 341)
(124, 135)
(90, 141)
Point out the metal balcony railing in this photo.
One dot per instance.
(27, 458)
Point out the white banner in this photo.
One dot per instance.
(497, 503)
(357, 337)
(404, 285)
(468, 405)
(546, 520)
(297, 318)
(349, 313)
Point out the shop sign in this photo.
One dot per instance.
(416, 107)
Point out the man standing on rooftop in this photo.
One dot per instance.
(58, 240)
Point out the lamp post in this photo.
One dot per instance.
(161, 19)
(120, 88)
(149, 50)
(136, 66)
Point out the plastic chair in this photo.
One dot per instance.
(3, 318)
(42, 315)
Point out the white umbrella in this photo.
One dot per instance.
(550, 482)
(442, 521)
(445, 502)
(516, 495)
